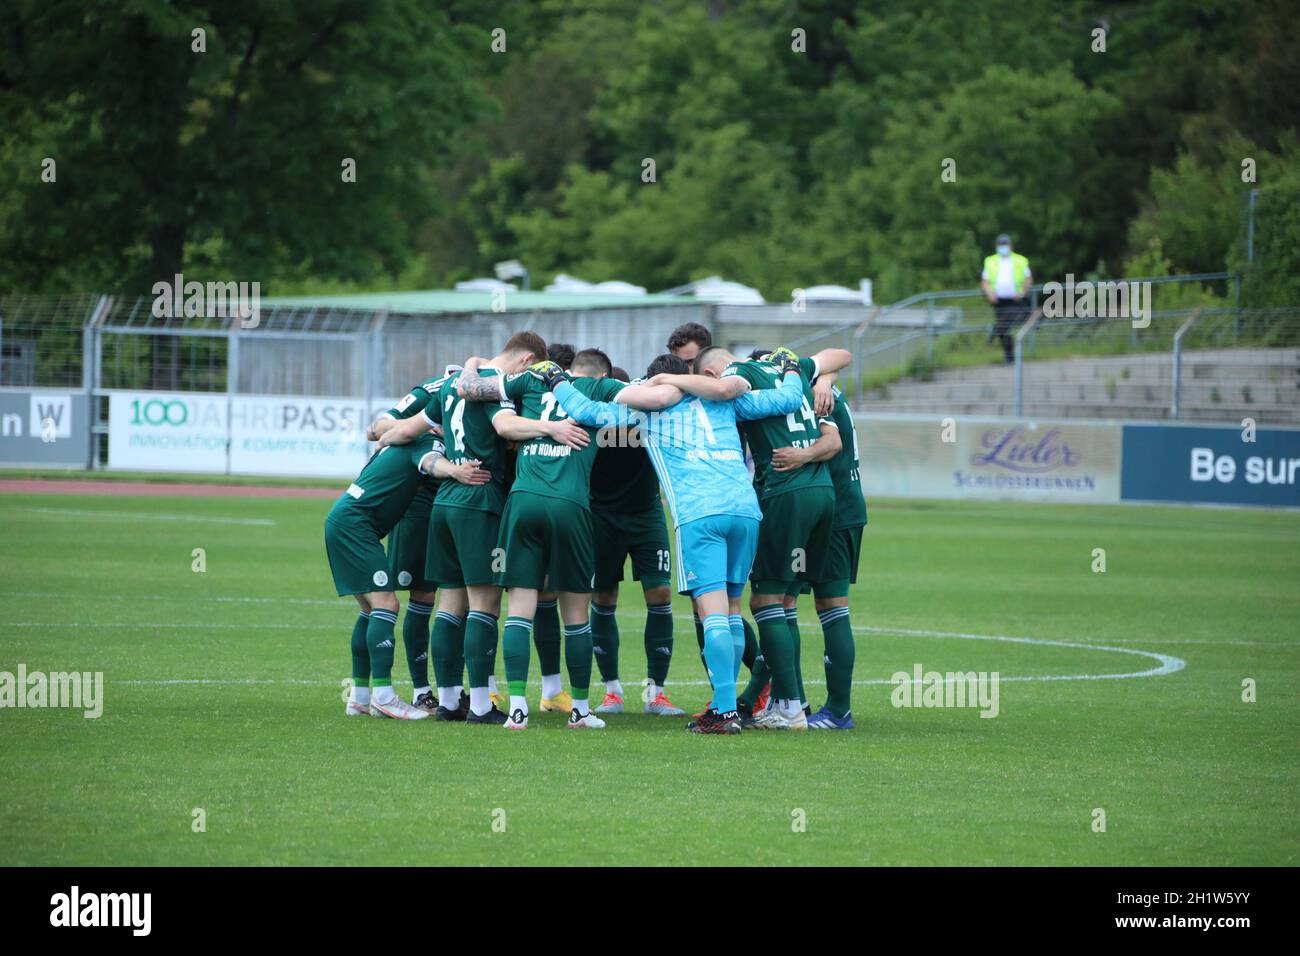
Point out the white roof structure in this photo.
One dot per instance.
(572, 285)
(485, 285)
(839, 293)
(719, 290)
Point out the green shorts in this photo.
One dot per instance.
(408, 546)
(462, 547)
(793, 540)
(543, 536)
(841, 567)
(643, 535)
(357, 559)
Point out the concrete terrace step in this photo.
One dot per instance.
(1222, 364)
(1102, 392)
(1216, 385)
(1049, 410)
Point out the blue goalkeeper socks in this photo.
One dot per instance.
(720, 658)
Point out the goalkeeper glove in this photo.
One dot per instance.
(550, 373)
(785, 358)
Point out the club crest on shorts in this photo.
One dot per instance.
(381, 578)
(404, 578)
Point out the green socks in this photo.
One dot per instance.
(546, 637)
(604, 640)
(480, 647)
(792, 621)
(659, 642)
(751, 645)
(360, 654)
(577, 654)
(415, 638)
(515, 638)
(447, 648)
(759, 676)
(840, 651)
(379, 643)
(775, 642)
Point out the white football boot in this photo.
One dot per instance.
(773, 719)
(397, 709)
(588, 722)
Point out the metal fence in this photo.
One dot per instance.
(1202, 364)
(929, 353)
(882, 351)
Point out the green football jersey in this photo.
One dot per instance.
(623, 480)
(417, 399)
(850, 508)
(468, 433)
(387, 485)
(411, 404)
(797, 430)
(546, 467)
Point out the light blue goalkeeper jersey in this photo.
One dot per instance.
(694, 445)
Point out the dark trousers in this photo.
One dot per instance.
(1008, 313)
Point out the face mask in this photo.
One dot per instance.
(1004, 250)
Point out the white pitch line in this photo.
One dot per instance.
(187, 598)
(629, 615)
(148, 516)
(169, 626)
(1167, 663)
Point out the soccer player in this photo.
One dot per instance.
(463, 529)
(753, 699)
(546, 530)
(370, 509)
(695, 448)
(627, 518)
(407, 543)
(688, 340)
(795, 533)
(831, 593)
(561, 353)
(546, 622)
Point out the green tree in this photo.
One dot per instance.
(1030, 171)
(228, 161)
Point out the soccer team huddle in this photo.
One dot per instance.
(538, 473)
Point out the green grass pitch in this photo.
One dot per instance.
(223, 694)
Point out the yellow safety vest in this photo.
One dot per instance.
(1019, 267)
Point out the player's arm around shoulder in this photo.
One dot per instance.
(826, 362)
(649, 398)
(380, 425)
(467, 472)
(826, 447)
(406, 430)
(515, 427)
(723, 389)
(829, 443)
(582, 409)
(482, 388)
(769, 403)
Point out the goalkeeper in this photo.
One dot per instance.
(695, 449)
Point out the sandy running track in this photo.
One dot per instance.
(60, 486)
